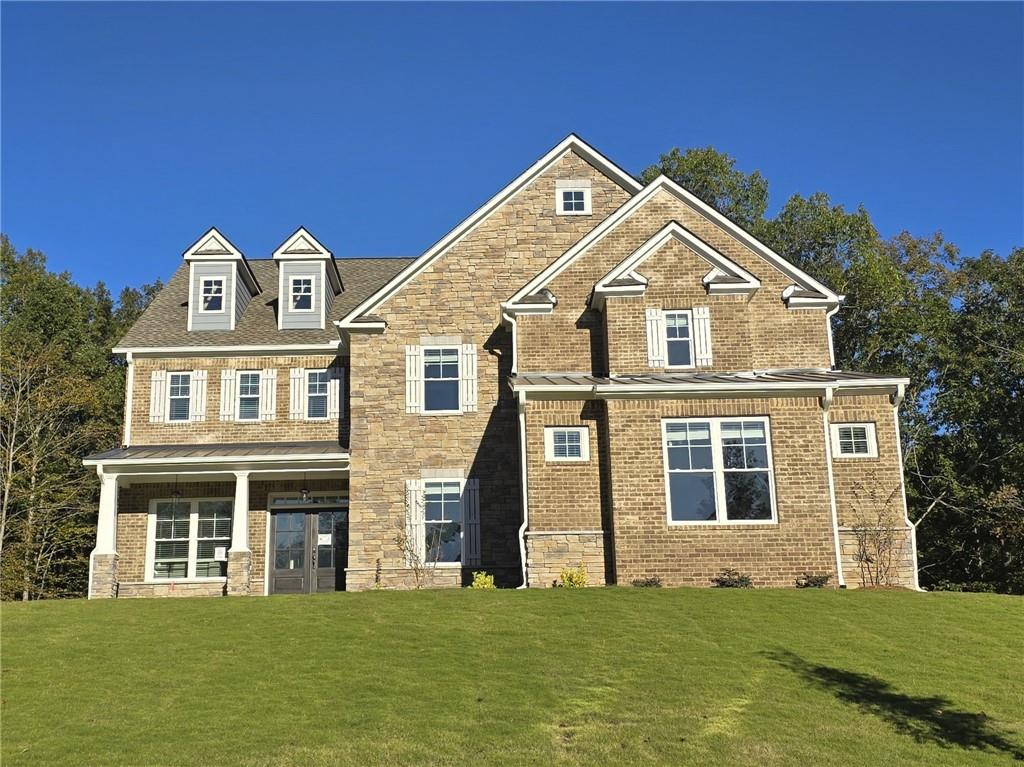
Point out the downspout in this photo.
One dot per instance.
(897, 400)
(129, 389)
(826, 403)
(828, 324)
(521, 407)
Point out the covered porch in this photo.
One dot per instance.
(212, 520)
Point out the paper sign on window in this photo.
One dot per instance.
(323, 539)
(220, 553)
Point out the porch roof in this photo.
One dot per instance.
(223, 453)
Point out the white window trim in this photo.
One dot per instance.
(718, 472)
(664, 339)
(312, 294)
(869, 429)
(238, 396)
(586, 201)
(462, 512)
(549, 444)
(193, 541)
(223, 297)
(305, 395)
(423, 378)
(191, 397)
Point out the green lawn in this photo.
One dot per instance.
(468, 678)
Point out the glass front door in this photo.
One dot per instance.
(310, 551)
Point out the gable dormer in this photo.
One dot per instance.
(307, 282)
(221, 283)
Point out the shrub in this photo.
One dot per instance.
(482, 580)
(732, 579)
(812, 581)
(650, 582)
(574, 577)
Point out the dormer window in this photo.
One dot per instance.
(212, 295)
(302, 294)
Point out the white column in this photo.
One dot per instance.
(106, 524)
(240, 513)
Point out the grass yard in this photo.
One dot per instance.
(469, 678)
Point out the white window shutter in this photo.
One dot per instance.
(467, 378)
(296, 393)
(413, 377)
(471, 536)
(655, 338)
(198, 404)
(335, 392)
(268, 394)
(157, 396)
(227, 395)
(415, 528)
(701, 336)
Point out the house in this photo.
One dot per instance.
(585, 371)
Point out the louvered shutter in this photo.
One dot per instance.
(268, 394)
(227, 395)
(655, 338)
(296, 393)
(467, 378)
(701, 336)
(413, 377)
(198, 395)
(335, 392)
(414, 521)
(471, 537)
(157, 396)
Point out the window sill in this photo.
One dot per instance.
(566, 460)
(440, 412)
(729, 523)
(573, 213)
(176, 581)
(855, 457)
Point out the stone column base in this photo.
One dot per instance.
(103, 576)
(239, 571)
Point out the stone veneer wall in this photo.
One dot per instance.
(213, 430)
(388, 445)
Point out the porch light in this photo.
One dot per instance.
(304, 492)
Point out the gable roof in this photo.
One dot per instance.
(726, 276)
(164, 323)
(214, 246)
(663, 183)
(571, 143)
(303, 246)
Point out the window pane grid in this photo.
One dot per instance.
(442, 506)
(441, 379)
(302, 293)
(213, 295)
(853, 440)
(248, 396)
(677, 339)
(567, 444)
(316, 393)
(573, 201)
(179, 392)
(171, 540)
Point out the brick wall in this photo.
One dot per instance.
(213, 430)
(459, 294)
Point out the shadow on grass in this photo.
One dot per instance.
(926, 720)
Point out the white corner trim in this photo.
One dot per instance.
(897, 400)
(826, 402)
(129, 389)
(570, 143)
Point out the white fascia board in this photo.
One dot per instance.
(612, 390)
(157, 351)
(223, 461)
(518, 309)
(572, 142)
(363, 327)
(666, 184)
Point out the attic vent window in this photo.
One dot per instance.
(302, 294)
(213, 295)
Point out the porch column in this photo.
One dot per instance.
(239, 555)
(103, 559)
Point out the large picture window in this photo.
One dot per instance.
(718, 471)
(189, 538)
(441, 379)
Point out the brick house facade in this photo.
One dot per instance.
(585, 372)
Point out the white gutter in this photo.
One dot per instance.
(826, 403)
(129, 388)
(327, 346)
(511, 320)
(599, 390)
(521, 407)
(828, 326)
(218, 459)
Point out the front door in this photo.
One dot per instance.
(310, 551)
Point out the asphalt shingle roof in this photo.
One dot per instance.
(165, 321)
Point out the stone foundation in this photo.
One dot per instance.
(104, 576)
(239, 573)
(548, 553)
(902, 570)
(171, 589)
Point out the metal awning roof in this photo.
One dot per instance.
(239, 452)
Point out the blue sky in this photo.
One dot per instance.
(127, 129)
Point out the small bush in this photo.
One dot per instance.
(812, 581)
(650, 582)
(482, 580)
(732, 579)
(574, 577)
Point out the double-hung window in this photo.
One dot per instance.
(212, 295)
(317, 383)
(678, 339)
(179, 396)
(248, 396)
(718, 471)
(854, 440)
(442, 521)
(441, 379)
(302, 294)
(189, 538)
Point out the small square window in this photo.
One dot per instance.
(212, 295)
(572, 202)
(302, 294)
(567, 443)
(854, 440)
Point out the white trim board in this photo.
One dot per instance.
(326, 346)
(663, 183)
(571, 143)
